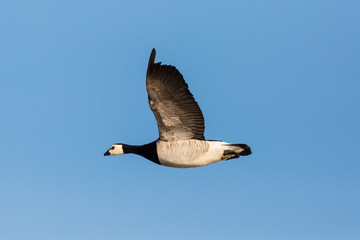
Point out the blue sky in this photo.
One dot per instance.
(281, 76)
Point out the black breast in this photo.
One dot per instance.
(147, 151)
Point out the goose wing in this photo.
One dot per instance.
(178, 115)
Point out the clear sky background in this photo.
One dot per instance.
(280, 76)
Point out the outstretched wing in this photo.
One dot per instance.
(177, 113)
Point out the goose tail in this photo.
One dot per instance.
(241, 149)
(235, 151)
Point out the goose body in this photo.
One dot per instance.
(195, 153)
(181, 142)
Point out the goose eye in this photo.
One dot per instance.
(112, 148)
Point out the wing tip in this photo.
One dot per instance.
(152, 58)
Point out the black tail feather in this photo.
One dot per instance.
(247, 149)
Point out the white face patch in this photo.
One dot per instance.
(116, 149)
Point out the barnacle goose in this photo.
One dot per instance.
(181, 141)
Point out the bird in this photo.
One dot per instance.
(181, 142)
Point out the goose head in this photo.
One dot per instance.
(115, 149)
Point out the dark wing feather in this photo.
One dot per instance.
(177, 113)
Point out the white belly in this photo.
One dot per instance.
(190, 153)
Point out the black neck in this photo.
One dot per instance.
(147, 151)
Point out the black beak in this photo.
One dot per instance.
(107, 153)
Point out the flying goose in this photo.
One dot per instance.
(181, 141)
